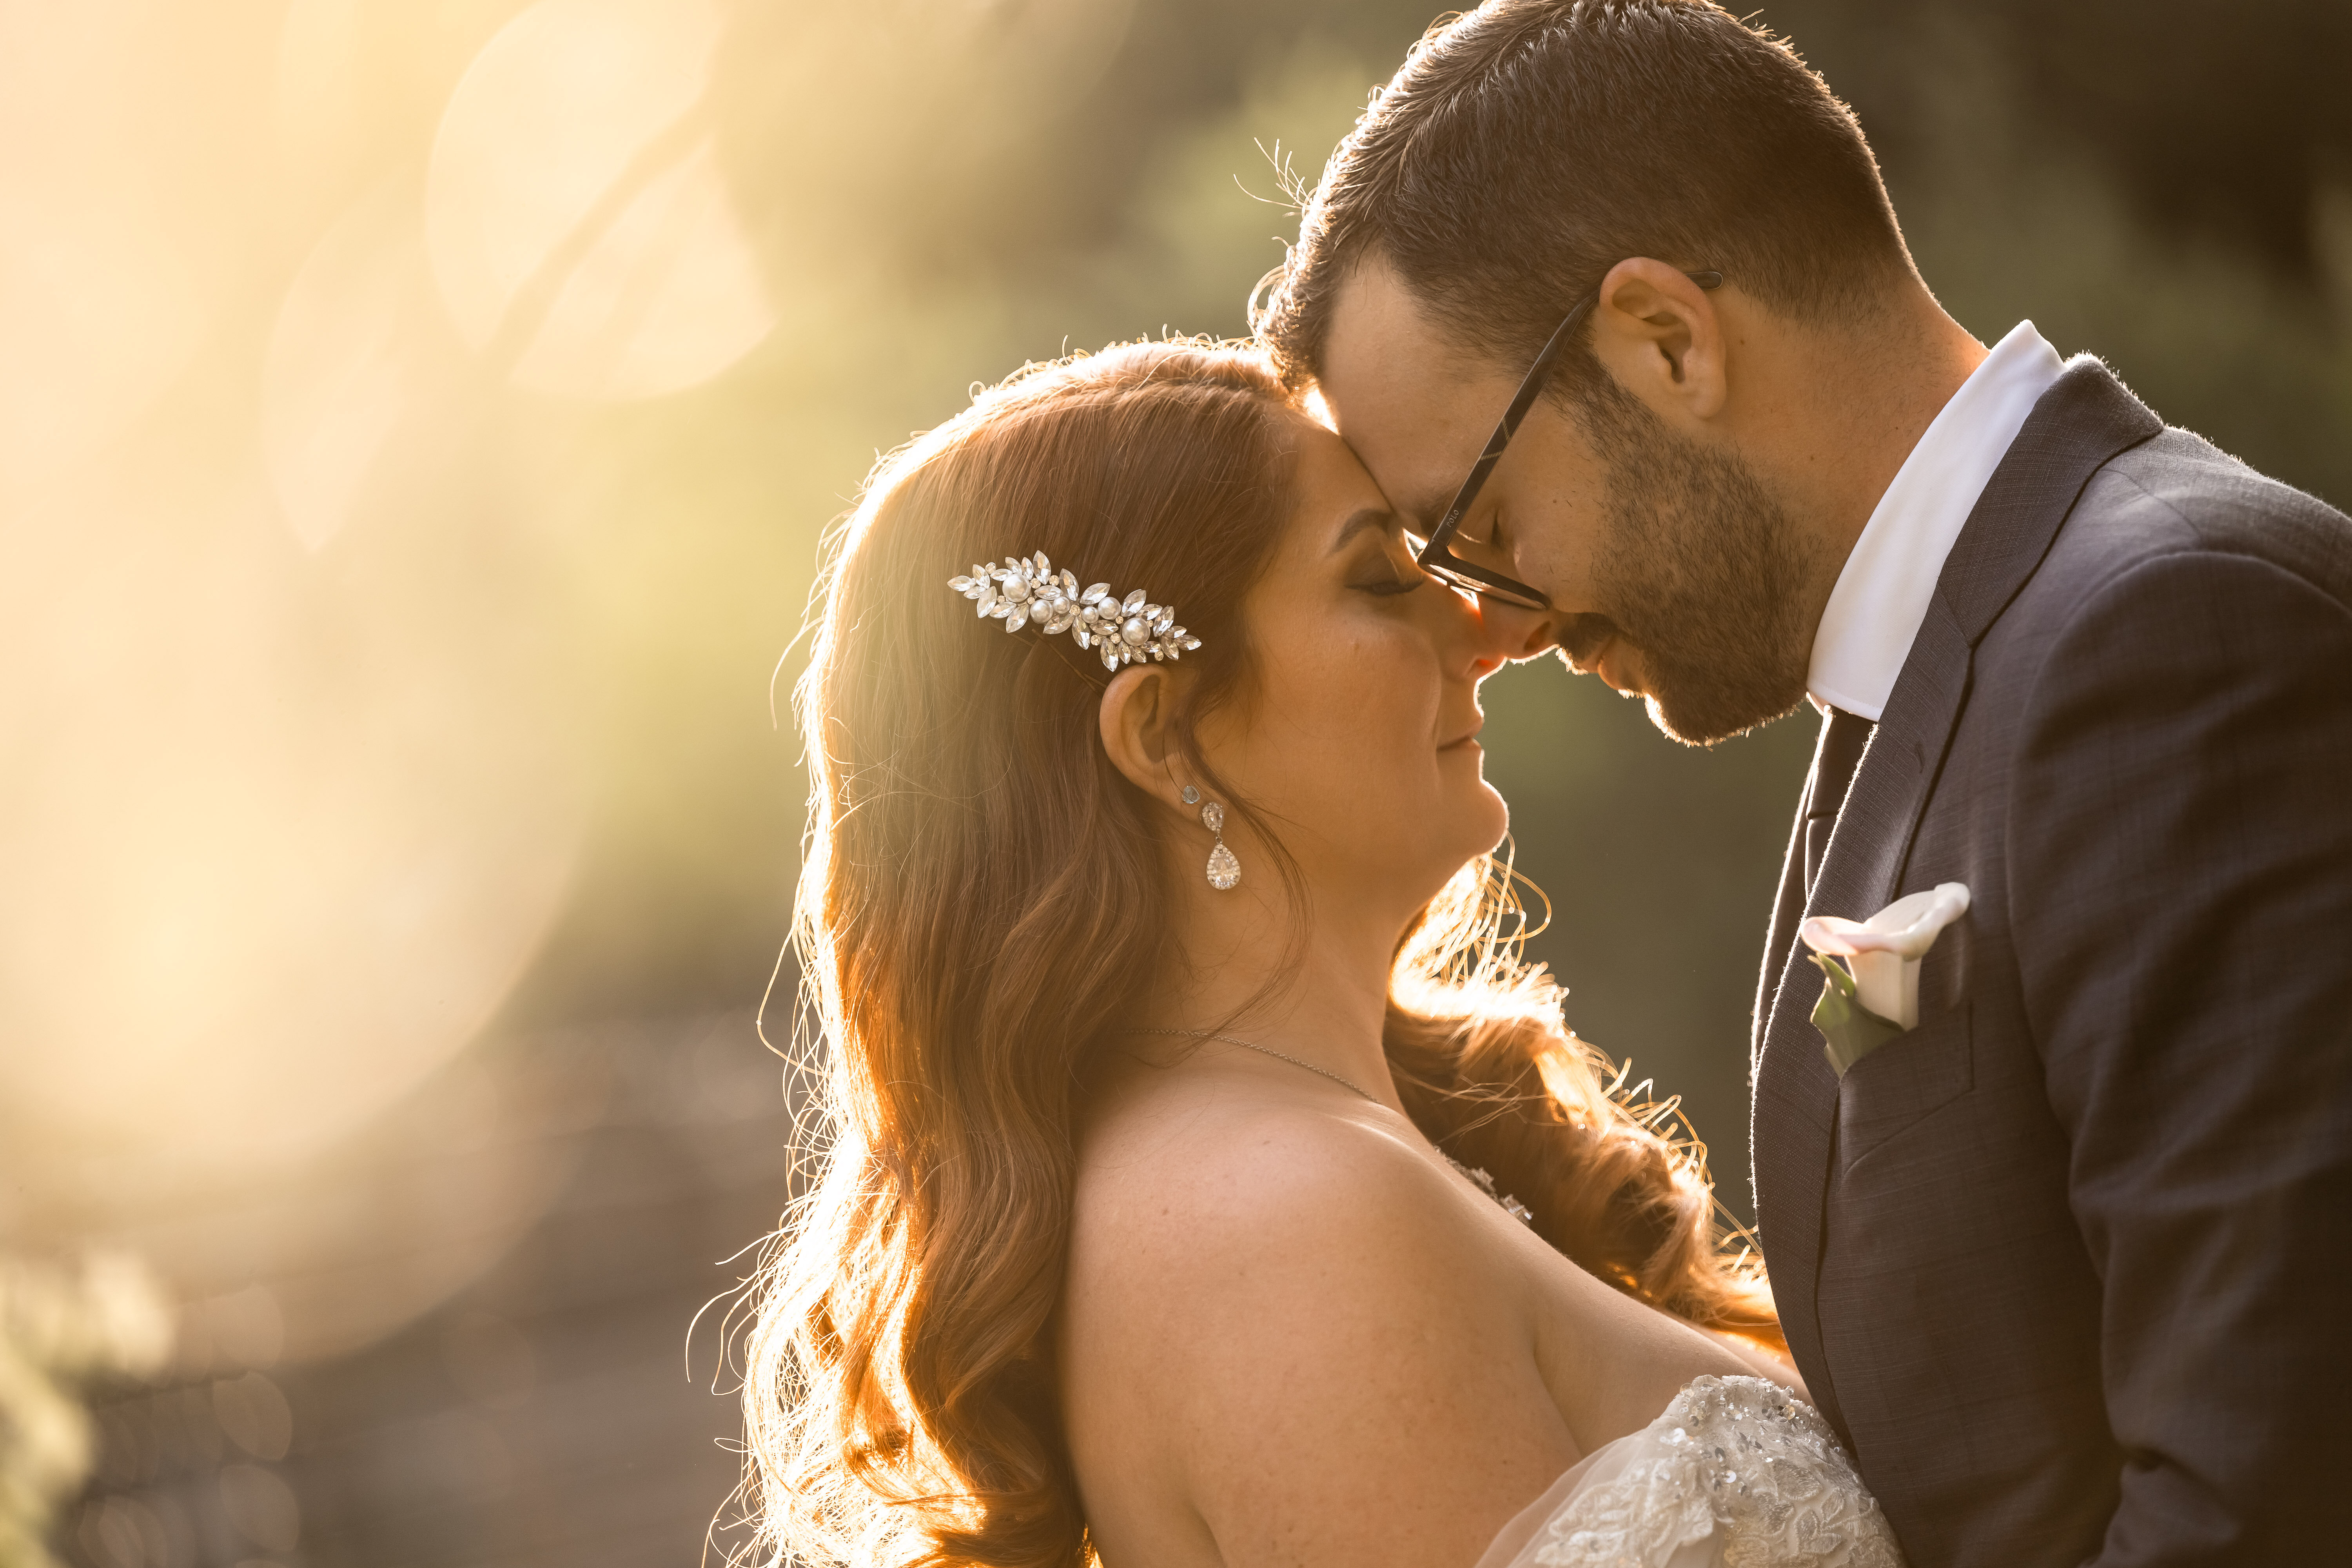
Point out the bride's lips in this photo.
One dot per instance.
(1468, 740)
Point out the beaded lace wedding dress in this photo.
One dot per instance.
(1738, 1473)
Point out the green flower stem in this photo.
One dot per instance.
(1850, 1031)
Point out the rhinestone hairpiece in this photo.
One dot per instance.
(1027, 589)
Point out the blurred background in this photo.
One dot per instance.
(417, 419)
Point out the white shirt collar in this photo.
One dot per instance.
(1882, 594)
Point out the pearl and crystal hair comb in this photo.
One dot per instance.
(1027, 589)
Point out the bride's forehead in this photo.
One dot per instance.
(1331, 492)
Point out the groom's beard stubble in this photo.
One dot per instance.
(1705, 574)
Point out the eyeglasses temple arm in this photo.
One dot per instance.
(1530, 388)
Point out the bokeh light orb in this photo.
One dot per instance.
(580, 230)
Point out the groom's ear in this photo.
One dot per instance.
(1660, 336)
(1134, 718)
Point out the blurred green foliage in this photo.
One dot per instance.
(2162, 184)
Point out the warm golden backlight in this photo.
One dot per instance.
(575, 214)
(416, 424)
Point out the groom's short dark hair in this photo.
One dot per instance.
(1525, 147)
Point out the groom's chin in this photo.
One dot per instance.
(1700, 709)
(1696, 707)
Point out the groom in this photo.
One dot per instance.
(2067, 1264)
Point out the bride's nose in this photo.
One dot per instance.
(1482, 636)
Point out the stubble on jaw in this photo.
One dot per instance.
(1706, 576)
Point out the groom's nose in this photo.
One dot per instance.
(1508, 632)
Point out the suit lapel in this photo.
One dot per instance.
(1796, 1092)
(2084, 420)
(1788, 908)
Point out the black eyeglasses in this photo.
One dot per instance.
(1435, 557)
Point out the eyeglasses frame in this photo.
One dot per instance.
(1436, 557)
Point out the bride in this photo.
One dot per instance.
(1204, 1183)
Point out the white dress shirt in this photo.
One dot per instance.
(1881, 596)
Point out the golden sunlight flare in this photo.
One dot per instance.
(578, 225)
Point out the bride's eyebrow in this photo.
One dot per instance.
(1369, 517)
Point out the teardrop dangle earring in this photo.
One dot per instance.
(1224, 871)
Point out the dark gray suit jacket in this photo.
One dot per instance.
(2067, 1266)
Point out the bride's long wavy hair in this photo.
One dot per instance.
(981, 901)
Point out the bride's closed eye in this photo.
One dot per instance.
(1387, 574)
(1388, 582)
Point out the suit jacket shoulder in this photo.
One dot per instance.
(2179, 492)
(2173, 497)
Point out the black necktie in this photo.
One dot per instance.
(1844, 735)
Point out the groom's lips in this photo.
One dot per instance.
(1589, 641)
(1615, 674)
(1584, 639)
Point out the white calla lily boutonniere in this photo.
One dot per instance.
(1874, 997)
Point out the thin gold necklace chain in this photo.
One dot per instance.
(1485, 1183)
(1263, 1050)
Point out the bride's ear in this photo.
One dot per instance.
(1136, 708)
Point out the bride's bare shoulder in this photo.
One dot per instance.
(1170, 1182)
(1283, 1322)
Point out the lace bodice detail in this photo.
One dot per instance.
(1737, 1472)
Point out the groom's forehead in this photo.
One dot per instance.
(1413, 407)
